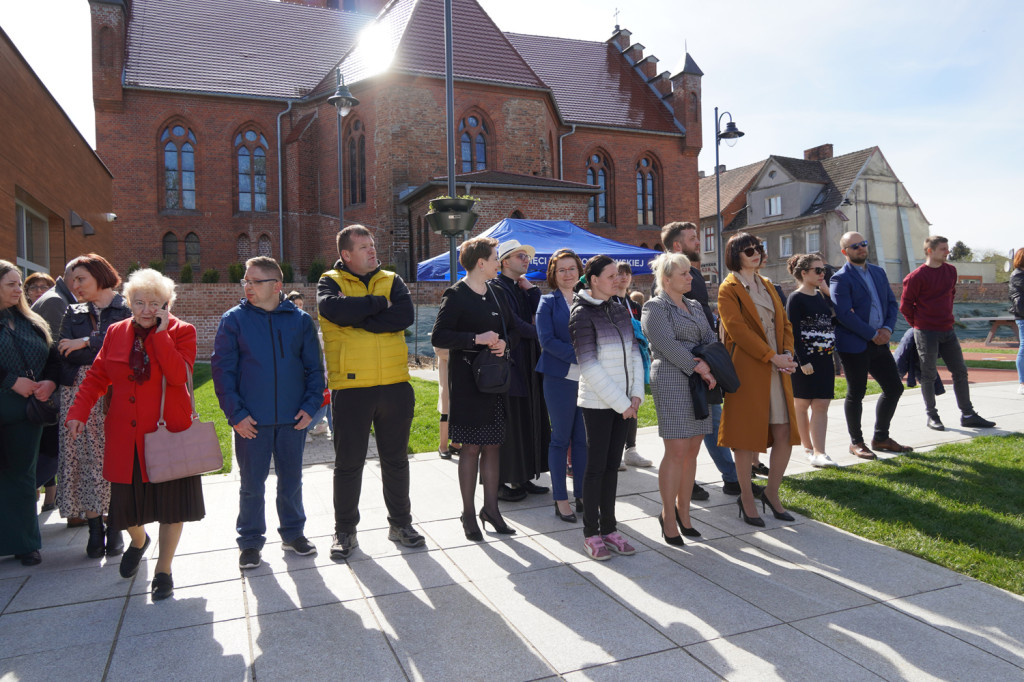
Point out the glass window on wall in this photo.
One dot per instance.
(813, 241)
(32, 232)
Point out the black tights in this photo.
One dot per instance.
(487, 457)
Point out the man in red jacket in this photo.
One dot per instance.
(927, 305)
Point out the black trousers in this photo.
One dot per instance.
(389, 409)
(878, 362)
(606, 436)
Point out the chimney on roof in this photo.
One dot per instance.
(701, 174)
(819, 153)
(620, 39)
(635, 52)
(648, 66)
(721, 168)
(662, 83)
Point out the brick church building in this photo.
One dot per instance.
(213, 118)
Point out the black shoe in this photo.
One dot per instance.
(470, 528)
(343, 545)
(752, 520)
(502, 529)
(688, 532)
(249, 558)
(131, 558)
(115, 543)
(507, 493)
(758, 469)
(533, 488)
(579, 505)
(568, 518)
(29, 558)
(406, 535)
(699, 494)
(976, 421)
(96, 546)
(300, 546)
(163, 586)
(48, 506)
(781, 516)
(731, 488)
(935, 424)
(758, 490)
(444, 454)
(675, 541)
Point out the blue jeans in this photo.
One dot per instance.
(324, 411)
(1020, 352)
(566, 428)
(720, 455)
(285, 444)
(930, 345)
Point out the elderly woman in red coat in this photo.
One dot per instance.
(136, 356)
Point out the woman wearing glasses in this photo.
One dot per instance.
(814, 335)
(760, 414)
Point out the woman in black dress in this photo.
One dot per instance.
(814, 337)
(470, 322)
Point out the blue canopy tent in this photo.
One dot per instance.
(546, 236)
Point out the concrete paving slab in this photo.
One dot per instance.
(85, 663)
(212, 651)
(486, 560)
(414, 570)
(189, 606)
(668, 666)
(56, 588)
(8, 588)
(977, 613)
(455, 633)
(682, 605)
(876, 570)
(896, 646)
(778, 653)
(48, 629)
(301, 589)
(189, 570)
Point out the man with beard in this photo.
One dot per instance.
(680, 237)
(524, 454)
(865, 314)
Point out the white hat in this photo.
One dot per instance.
(506, 249)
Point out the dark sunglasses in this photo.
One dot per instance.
(751, 250)
(816, 271)
(858, 245)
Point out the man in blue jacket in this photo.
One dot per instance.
(866, 313)
(269, 379)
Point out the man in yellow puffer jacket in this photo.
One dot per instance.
(364, 312)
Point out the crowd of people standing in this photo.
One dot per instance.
(531, 384)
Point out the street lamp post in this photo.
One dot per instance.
(730, 135)
(343, 101)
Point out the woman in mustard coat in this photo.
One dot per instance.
(759, 336)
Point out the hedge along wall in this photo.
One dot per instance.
(203, 304)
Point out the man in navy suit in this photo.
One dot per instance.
(866, 312)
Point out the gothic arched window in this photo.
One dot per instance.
(178, 144)
(599, 173)
(192, 250)
(251, 152)
(243, 248)
(170, 250)
(263, 246)
(356, 163)
(473, 143)
(646, 183)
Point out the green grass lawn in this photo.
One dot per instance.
(209, 410)
(958, 506)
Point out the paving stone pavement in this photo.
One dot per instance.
(793, 601)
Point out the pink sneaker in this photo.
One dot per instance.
(616, 543)
(596, 548)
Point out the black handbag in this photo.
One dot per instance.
(493, 373)
(720, 362)
(41, 412)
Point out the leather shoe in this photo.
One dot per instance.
(935, 424)
(509, 494)
(731, 487)
(889, 445)
(699, 494)
(533, 489)
(862, 451)
(976, 421)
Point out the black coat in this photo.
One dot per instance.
(463, 315)
(81, 321)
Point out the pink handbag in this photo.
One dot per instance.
(191, 452)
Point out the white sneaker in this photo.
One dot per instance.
(1020, 390)
(821, 461)
(633, 458)
(319, 429)
(309, 437)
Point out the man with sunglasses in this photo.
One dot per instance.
(866, 313)
(927, 304)
(524, 454)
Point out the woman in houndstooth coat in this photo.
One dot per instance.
(673, 325)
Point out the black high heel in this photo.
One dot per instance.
(503, 529)
(470, 528)
(688, 532)
(752, 520)
(568, 518)
(781, 516)
(676, 541)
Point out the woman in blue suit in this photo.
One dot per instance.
(561, 377)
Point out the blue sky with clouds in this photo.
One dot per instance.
(935, 85)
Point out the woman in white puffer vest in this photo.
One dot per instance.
(611, 391)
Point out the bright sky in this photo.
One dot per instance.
(929, 83)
